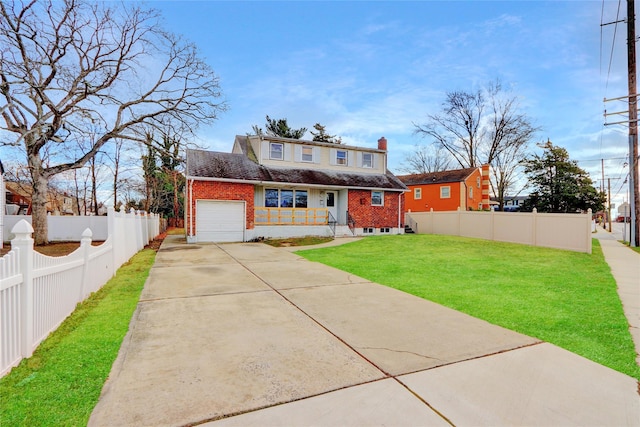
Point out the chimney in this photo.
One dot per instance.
(485, 188)
(382, 144)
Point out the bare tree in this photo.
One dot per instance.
(483, 127)
(426, 159)
(71, 66)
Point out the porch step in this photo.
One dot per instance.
(408, 230)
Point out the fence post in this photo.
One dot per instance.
(85, 244)
(534, 227)
(111, 236)
(24, 243)
(493, 223)
(589, 239)
(459, 213)
(138, 225)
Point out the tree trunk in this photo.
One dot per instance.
(39, 201)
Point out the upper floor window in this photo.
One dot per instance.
(307, 154)
(276, 151)
(367, 160)
(471, 192)
(445, 192)
(478, 182)
(377, 198)
(417, 193)
(341, 157)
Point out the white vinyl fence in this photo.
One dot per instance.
(554, 230)
(62, 228)
(38, 292)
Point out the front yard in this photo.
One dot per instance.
(565, 298)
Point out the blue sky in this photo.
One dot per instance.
(368, 69)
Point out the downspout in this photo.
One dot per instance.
(191, 208)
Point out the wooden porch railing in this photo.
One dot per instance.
(291, 216)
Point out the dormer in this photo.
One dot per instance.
(297, 153)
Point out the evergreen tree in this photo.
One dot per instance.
(322, 136)
(559, 184)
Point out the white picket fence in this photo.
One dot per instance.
(38, 292)
(553, 230)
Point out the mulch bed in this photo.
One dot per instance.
(65, 248)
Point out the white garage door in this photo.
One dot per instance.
(219, 221)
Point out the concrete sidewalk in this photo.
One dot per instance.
(625, 268)
(250, 335)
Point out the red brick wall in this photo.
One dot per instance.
(213, 190)
(366, 215)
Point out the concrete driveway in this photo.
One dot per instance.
(250, 335)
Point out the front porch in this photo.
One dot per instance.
(280, 223)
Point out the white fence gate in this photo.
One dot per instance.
(553, 230)
(38, 292)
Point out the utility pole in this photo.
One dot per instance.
(634, 200)
(609, 204)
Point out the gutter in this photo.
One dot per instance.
(294, 184)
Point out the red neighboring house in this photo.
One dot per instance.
(447, 190)
(272, 187)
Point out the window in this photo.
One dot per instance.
(307, 154)
(274, 198)
(377, 198)
(331, 199)
(276, 151)
(286, 198)
(271, 198)
(341, 157)
(301, 198)
(367, 230)
(445, 192)
(478, 182)
(385, 230)
(471, 192)
(367, 160)
(417, 193)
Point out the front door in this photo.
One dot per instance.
(331, 203)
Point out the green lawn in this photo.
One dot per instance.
(60, 384)
(562, 297)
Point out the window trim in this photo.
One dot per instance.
(302, 154)
(417, 193)
(294, 198)
(381, 198)
(275, 144)
(448, 188)
(370, 163)
(340, 160)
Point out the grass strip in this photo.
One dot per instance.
(566, 298)
(61, 383)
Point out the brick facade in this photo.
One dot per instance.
(366, 215)
(213, 190)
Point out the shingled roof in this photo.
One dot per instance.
(238, 167)
(455, 175)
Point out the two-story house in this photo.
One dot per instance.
(272, 187)
(450, 190)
